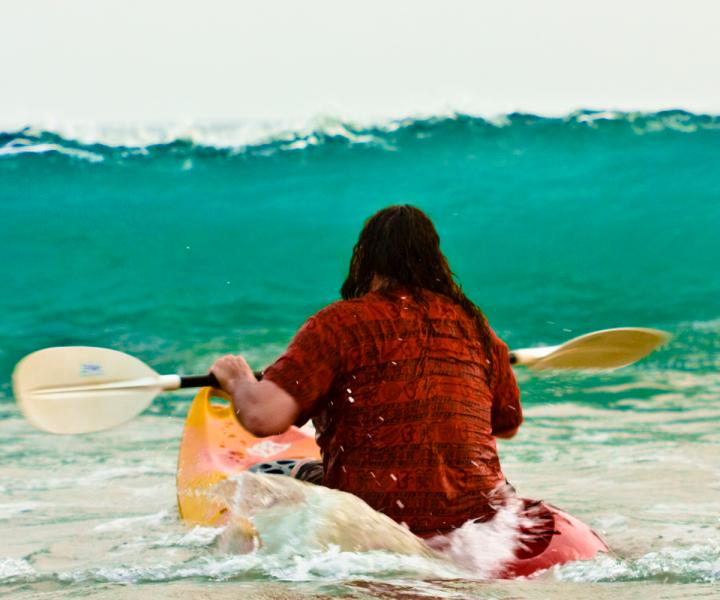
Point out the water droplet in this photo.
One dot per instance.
(381, 419)
(400, 504)
(351, 399)
(349, 391)
(393, 477)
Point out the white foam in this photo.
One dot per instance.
(484, 548)
(12, 569)
(199, 536)
(24, 146)
(8, 511)
(299, 134)
(693, 563)
(329, 565)
(130, 522)
(291, 135)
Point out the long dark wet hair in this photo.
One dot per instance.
(400, 244)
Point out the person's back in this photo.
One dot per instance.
(404, 379)
(396, 386)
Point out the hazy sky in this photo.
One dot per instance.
(219, 60)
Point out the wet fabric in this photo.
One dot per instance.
(397, 388)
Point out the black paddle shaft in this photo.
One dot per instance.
(209, 380)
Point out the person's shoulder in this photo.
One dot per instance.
(337, 312)
(344, 314)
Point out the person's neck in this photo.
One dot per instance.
(378, 282)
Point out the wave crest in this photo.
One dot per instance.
(98, 143)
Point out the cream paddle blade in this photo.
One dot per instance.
(78, 389)
(606, 349)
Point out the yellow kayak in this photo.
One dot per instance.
(214, 447)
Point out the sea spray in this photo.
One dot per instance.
(286, 517)
(302, 517)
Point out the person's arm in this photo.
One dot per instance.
(506, 409)
(262, 407)
(291, 387)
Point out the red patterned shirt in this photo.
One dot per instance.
(399, 397)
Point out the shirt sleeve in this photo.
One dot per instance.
(308, 367)
(506, 409)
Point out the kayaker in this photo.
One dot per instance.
(405, 382)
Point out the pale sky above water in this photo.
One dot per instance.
(151, 61)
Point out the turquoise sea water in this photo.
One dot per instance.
(208, 243)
